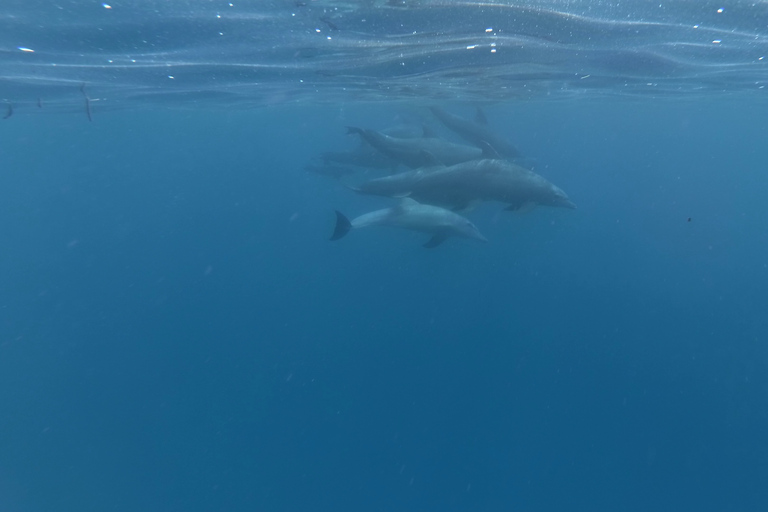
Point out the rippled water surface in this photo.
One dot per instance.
(268, 51)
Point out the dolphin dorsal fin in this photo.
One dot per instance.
(406, 202)
(480, 117)
(489, 151)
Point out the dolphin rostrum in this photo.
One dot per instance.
(408, 214)
(477, 132)
(460, 186)
(418, 152)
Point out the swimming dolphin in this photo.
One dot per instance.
(368, 157)
(364, 156)
(460, 186)
(408, 214)
(418, 152)
(477, 132)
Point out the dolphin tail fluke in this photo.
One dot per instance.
(342, 226)
(436, 240)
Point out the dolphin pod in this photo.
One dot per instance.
(438, 178)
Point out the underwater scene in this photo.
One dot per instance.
(383, 255)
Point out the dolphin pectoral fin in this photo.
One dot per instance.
(489, 151)
(436, 240)
(521, 208)
(342, 226)
(480, 117)
(401, 195)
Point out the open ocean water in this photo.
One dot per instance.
(177, 333)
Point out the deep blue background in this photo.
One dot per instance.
(176, 332)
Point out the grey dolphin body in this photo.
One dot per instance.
(366, 156)
(363, 156)
(417, 152)
(476, 132)
(460, 186)
(436, 221)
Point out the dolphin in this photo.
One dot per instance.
(460, 186)
(417, 152)
(477, 132)
(409, 214)
(366, 156)
(363, 156)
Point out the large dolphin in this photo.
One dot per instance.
(418, 152)
(460, 186)
(436, 221)
(477, 132)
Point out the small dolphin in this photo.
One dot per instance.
(477, 132)
(418, 152)
(409, 214)
(460, 186)
(363, 156)
(368, 157)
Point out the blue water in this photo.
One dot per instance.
(178, 334)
